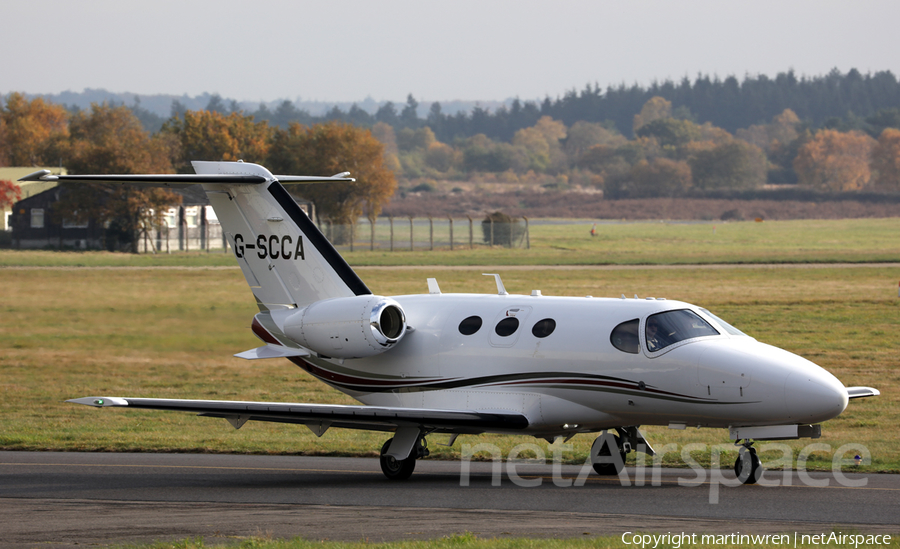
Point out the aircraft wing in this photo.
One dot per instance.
(319, 417)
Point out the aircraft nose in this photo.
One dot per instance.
(814, 396)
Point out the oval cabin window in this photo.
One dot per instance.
(470, 325)
(507, 326)
(543, 328)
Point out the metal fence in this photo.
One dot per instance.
(426, 233)
(205, 237)
(393, 234)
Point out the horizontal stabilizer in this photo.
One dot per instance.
(373, 418)
(862, 392)
(272, 351)
(182, 180)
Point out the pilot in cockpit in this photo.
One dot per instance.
(654, 342)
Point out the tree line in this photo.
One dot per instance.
(665, 151)
(729, 103)
(670, 155)
(663, 139)
(850, 100)
(110, 139)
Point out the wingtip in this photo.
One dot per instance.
(862, 392)
(40, 175)
(99, 402)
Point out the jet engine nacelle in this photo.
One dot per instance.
(347, 327)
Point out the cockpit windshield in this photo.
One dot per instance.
(728, 327)
(664, 329)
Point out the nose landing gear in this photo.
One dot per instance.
(747, 467)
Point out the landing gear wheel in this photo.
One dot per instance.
(609, 469)
(748, 467)
(397, 469)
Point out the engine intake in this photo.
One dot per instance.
(346, 327)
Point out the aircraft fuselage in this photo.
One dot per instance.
(574, 379)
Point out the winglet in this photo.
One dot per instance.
(99, 402)
(40, 175)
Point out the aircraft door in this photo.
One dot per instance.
(507, 325)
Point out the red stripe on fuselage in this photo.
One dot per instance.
(262, 333)
(328, 375)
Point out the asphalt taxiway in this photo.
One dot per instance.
(72, 499)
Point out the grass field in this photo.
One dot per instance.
(76, 332)
(644, 243)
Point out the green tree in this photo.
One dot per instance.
(409, 116)
(535, 148)
(733, 165)
(441, 157)
(387, 113)
(481, 154)
(656, 108)
(584, 135)
(671, 132)
(541, 145)
(409, 139)
(660, 177)
(783, 130)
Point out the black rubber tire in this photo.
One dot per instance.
(755, 466)
(396, 469)
(609, 469)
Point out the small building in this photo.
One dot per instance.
(192, 226)
(33, 225)
(29, 188)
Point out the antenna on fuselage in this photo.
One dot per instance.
(433, 287)
(500, 289)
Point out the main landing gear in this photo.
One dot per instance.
(602, 459)
(609, 450)
(402, 469)
(747, 467)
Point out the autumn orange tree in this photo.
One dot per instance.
(10, 193)
(835, 161)
(213, 136)
(111, 140)
(327, 149)
(886, 160)
(31, 132)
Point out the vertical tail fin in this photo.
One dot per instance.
(286, 260)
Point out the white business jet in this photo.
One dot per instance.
(537, 365)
